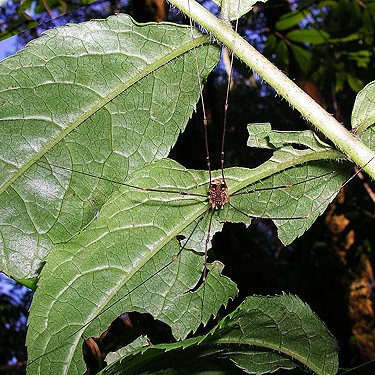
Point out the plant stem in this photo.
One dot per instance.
(312, 111)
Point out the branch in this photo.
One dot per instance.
(348, 143)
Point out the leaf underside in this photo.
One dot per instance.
(89, 97)
(131, 238)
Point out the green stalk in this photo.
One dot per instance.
(348, 143)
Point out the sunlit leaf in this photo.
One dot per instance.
(89, 97)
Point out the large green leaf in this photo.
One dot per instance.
(263, 335)
(123, 260)
(104, 97)
(132, 235)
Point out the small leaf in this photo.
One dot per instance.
(302, 56)
(282, 55)
(310, 36)
(362, 58)
(348, 38)
(237, 8)
(354, 82)
(363, 114)
(368, 137)
(291, 19)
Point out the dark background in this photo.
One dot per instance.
(331, 266)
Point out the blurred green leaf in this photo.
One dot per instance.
(282, 55)
(291, 19)
(310, 36)
(348, 38)
(270, 45)
(302, 56)
(362, 58)
(354, 82)
(26, 5)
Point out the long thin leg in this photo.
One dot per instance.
(124, 184)
(230, 76)
(205, 260)
(201, 96)
(288, 186)
(206, 244)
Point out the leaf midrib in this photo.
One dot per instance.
(270, 168)
(129, 276)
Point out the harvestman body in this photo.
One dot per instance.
(218, 193)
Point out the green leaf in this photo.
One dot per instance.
(354, 82)
(115, 264)
(270, 45)
(104, 97)
(124, 259)
(263, 335)
(291, 19)
(348, 38)
(310, 36)
(363, 114)
(368, 137)
(26, 5)
(362, 58)
(320, 181)
(282, 55)
(302, 57)
(237, 8)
